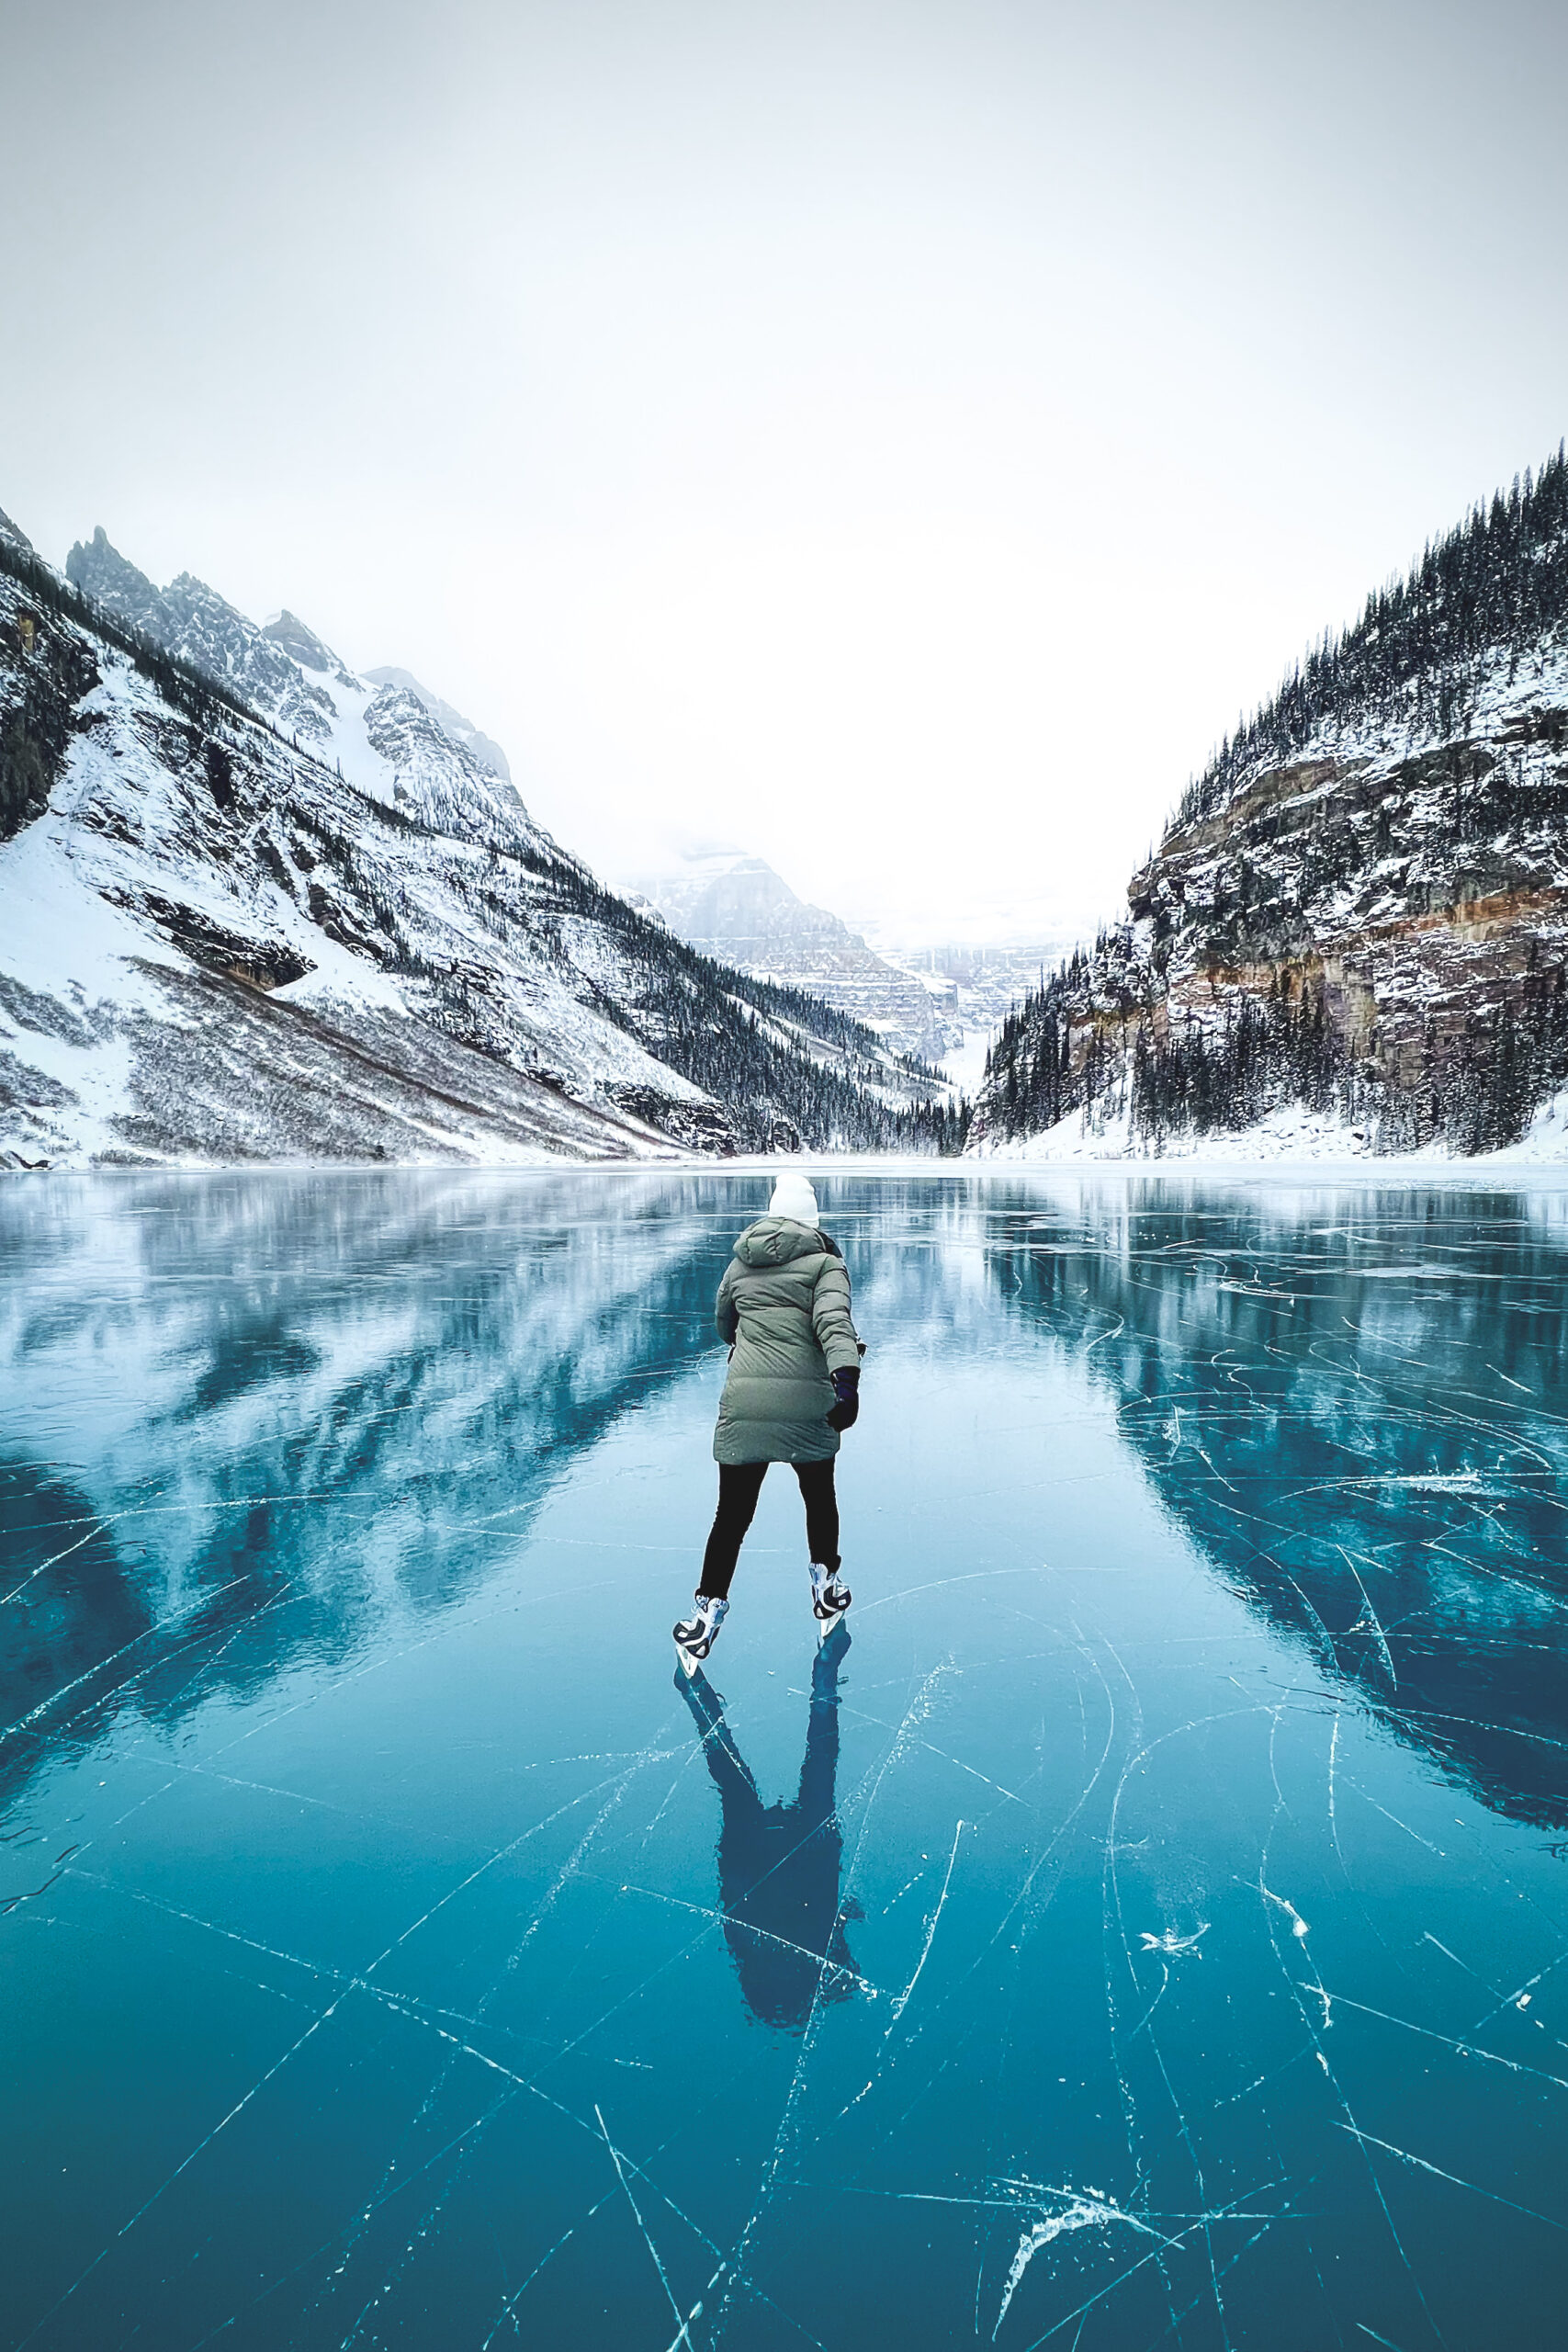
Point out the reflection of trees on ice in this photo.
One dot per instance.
(1349, 1399)
(1204, 1573)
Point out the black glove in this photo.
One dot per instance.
(846, 1389)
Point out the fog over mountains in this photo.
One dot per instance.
(256, 906)
(941, 1001)
(738, 908)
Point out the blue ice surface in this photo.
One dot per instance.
(1149, 1927)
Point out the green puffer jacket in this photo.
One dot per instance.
(784, 1305)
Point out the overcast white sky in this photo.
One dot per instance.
(895, 439)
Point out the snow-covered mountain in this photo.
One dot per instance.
(1355, 928)
(254, 905)
(192, 620)
(943, 1004)
(975, 989)
(736, 908)
(488, 753)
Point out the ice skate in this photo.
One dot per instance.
(696, 1634)
(830, 1599)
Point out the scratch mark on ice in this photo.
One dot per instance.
(1369, 2141)
(1298, 1924)
(902, 2003)
(1083, 2213)
(682, 2326)
(1171, 1943)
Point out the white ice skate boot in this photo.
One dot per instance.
(697, 1633)
(830, 1599)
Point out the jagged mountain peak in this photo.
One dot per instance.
(111, 580)
(18, 538)
(302, 644)
(219, 943)
(192, 620)
(731, 904)
(219, 638)
(484, 748)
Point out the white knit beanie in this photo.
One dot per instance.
(793, 1198)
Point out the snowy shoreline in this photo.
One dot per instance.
(1368, 1170)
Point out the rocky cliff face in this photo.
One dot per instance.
(452, 722)
(199, 626)
(250, 909)
(738, 908)
(1361, 912)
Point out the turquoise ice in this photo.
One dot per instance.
(1149, 1927)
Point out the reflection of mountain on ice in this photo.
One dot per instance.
(314, 1398)
(1376, 1466)
(309, 1394)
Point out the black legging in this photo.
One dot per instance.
(739, 1484)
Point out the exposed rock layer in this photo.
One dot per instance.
(1363, 908)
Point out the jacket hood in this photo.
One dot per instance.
(776, 1240)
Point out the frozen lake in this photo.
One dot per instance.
(1150, 1930)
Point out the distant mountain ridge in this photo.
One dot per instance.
(737, 907)
(254, 906)
(1358, 915)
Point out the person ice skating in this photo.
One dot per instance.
(794, 1383)
(780, 1865)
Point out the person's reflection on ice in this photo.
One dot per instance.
(779, 1864)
